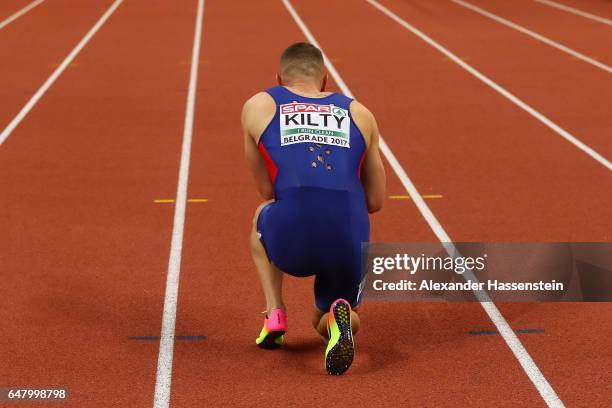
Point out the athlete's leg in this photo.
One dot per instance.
(270, 276)
(319, 322)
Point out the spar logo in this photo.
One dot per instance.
(313, 123)
(305, 107)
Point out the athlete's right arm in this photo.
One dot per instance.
(372, 170)
(257, 112)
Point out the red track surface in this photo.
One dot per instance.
(84, 248)
(599, 7)
(9, 7)
(554, 23)
(34, 44)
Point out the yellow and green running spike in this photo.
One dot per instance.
(340, 348)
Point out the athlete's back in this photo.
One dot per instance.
(312, 142)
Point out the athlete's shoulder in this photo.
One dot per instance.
(259, 105)
(359, 109)
(364, 119)
(257, 112)
(259, 101)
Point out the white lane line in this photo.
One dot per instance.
(504, 92)
(576, 11)
(166, 344)
(535, 35)
(58, 71)
(531, 369)
(20, 13)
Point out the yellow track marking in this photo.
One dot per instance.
(406, 197)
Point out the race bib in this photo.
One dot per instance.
(311, 123)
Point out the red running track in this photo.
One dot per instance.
(86, 247)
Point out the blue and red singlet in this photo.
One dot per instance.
(313, 152)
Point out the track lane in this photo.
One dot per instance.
(29, 55)
(9, 7)
(84, 246)
(600, 8)
(10, 12)
(585, 36)
(219, 294)
(543, 77)
(435, 104)
(573, 350)
(444, 109)
(167, 336)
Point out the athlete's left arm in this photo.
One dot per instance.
(373, 176)
(256, 114)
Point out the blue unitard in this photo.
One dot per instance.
(313, 152)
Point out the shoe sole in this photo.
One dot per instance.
(269, 342)
(340, 356)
